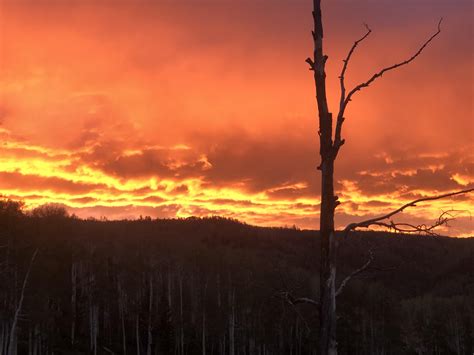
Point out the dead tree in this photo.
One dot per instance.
(12, 336)
(331, 141)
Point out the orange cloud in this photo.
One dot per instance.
(153, 108)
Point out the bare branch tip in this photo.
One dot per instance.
(439, 24)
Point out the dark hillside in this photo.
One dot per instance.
(181, 286)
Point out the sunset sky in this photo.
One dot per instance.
(190, 107)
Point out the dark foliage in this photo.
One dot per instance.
(178, 286)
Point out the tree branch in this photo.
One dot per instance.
(306, 300)
(392, 67)
(421, 229)
(288, 297)
(355, 273)
(338, 142)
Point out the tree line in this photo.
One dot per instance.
(214, 285)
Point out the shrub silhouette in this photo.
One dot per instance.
(50, 211)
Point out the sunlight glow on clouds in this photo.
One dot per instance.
(168, 110)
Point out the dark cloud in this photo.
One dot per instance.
(153, 199)
(144, 164)
(261, 163)
(84, 200)
(163, 163)
(408, 170)
(34, 182)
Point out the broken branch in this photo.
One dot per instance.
(378, 220)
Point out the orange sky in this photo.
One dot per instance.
(122, 108)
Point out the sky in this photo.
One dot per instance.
(168, 109)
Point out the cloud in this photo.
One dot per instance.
(175, 109)
(17, 181)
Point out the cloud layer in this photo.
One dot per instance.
(150, 108)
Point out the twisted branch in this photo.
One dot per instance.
(378, 221)
(408, 228)
(344, 100)
(355, 273)
(338, 142)
(392, 67)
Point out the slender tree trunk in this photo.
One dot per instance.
(203, 340)
(95, 310)
(3, 338)
(121, 303)
(170, 284)
(12, 339)
(150, 304)
(218, 290)
(181, 336)
(232, 322)
(36, 341)
(73, 301)
(137, 333)
(327, 330)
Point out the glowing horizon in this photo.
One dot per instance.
(151, 108)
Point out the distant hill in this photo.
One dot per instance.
(179, 286)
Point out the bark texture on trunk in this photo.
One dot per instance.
(327, 333)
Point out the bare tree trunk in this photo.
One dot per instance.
(232, 322)
(94, 326)
(169, 288)
(149, 342)
(12, 337)
(30, 342)
(328, 151)
(181, 312)
(203, 340)
(327, 330)
(73, 301)
(36, 341)
(218, 290)
(121, 303)
(137, 333)
(3, 337)
(327, 318)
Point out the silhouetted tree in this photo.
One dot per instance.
(165, 327)
(50, 210)
(12, 337)
(10, 208)
(330, 143)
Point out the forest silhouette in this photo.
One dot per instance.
(215, 285)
